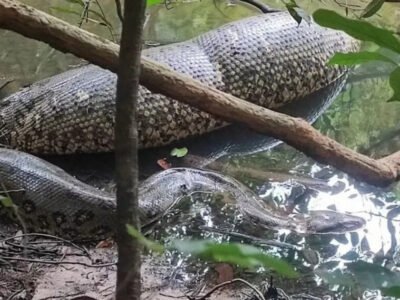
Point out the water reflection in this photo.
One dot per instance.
(377, 243)
(207, 216)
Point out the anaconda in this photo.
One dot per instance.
(269, 60)
(52, 201)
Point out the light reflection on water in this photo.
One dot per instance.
(376, 243)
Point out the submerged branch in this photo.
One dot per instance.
(160, 79)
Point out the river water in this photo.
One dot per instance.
(352, 265)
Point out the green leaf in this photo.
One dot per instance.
(234, 253)
(179, 152)
(337, 277)
(393, 291)
(372, 8)
(156, 247)
(394, 81)
(293, 12)
(65, 10)
(358, 29)
(373, 276)
(350, 59)
(292, 7)
(364, 275)
(6, 201)
(153, 2)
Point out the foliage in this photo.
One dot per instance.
(82, 8)
(153, 2)
(393, 291)
(394, 81)
(148, 244)
(358, 29)
(368, 32)
(295, 11)
(372, 8)
(239, 254)
(365, 275)
(6, 201)
(357, 58)
(179, 152)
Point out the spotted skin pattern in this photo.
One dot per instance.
(57, 203)
(269, 60)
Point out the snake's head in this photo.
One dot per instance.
(329, 221)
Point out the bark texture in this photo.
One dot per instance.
(126, 148)
(158, 78)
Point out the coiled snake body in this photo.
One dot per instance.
(268, 59)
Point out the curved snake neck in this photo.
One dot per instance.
(269, 60)
(52, 201)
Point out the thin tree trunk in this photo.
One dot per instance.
(126, 146)
(161, 79)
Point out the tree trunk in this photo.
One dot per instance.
(126, 146)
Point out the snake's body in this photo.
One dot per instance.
(269, 60)
(50, 200)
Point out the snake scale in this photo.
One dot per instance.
(269, 60)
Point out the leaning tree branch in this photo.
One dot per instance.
(159, 78)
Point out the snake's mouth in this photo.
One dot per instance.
(328, 221)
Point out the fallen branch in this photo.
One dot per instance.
(258, 293)
(160, 79)
(51, 262)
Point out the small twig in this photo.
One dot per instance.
(261, 6)
(63, 296)
(44, 60)
(172, 296)
(306, 296)
(14, 209)
(85, 13)
(107, 288)
(15, 294)
(32, 249)
(259, 295)
(168, 4)
(7, 82)
(5, 262)
(348, 6)
(376, 215)
(284, 295)
(252, 238)
(49, 262)
(48, 236)
(107, 23)
(119, 10)
(5, 191)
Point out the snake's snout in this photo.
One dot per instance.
(328, 221)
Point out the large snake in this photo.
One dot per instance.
(52, 201)
(269, 60)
